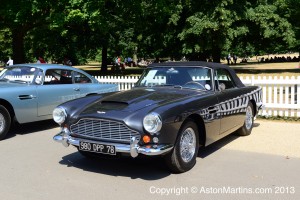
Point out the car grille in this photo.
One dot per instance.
(100, 129)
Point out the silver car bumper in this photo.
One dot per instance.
(134, 149)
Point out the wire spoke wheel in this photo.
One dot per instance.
(188, 145)
(249, 118)
(5, 122)
(2, 122)
(249, 121)
(183, 156)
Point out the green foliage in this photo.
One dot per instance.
(101, 29)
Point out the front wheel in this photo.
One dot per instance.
(249, 120)
(5, 122)
(183, 156)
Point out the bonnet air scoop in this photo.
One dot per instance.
(113, 102)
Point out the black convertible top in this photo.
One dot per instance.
(201, 64)
(191, 63)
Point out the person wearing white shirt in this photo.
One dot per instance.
(10, 62)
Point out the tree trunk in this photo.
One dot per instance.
(18, 46)
(104, 57)
(216, 54)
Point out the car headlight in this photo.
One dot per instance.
(152, 123)
(59, 115)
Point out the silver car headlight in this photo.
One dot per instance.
(59, 115)
(152, 123)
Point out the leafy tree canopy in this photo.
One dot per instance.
(103, 29)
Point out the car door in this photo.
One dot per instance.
(229, 101)
(24, 102)
(57, 87)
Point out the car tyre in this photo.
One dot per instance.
(5, 122)
(249, 120)
(183, 156)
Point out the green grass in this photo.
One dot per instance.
(249, 69)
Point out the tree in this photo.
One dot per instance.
(269, 28)
(212, 27)
(21, 16)
(293, 7)
(226, 25)
(83, 29)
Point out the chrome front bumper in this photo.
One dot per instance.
(134, 149)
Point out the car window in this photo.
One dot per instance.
(20, 74)
(154, 77)
(58, 76)
(224, 78)
(202, 76)
(184, 76)
(81, 78)
(39, 77)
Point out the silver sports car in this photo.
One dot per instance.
(30, 92)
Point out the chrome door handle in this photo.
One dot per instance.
(24, 97)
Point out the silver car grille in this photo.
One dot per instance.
(106, 130)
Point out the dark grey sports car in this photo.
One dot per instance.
(174, 109)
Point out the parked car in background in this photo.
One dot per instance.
(30, 92)
(174, 109)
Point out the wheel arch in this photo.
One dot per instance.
(201, 127)
(9, 108)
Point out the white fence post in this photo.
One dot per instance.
(298, 96)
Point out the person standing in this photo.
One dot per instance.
(67, 61)
(10, 62)
(228, 59)
(234, 59)
(40, 60)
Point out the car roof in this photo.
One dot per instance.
(190, 63)
(43, 66)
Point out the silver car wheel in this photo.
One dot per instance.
(2, 122)
(188, 145)
(249, 118)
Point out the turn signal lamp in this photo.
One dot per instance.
(146, 139)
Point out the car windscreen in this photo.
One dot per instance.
(186, 77)
(18, 74)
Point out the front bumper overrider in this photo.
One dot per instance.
(134, 149)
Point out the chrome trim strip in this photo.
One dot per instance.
(133, 149)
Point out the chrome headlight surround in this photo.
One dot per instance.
(152, 123)
(59, 115)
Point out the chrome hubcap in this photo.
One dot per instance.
(2, 123)
(188, 145)
(249, 118)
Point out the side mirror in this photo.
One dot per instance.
(222, 86)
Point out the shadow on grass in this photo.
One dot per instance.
(265, 71)
(241, 68)
(130, 71)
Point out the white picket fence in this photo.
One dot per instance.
(281, 96)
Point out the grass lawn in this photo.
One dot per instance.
(245, 69)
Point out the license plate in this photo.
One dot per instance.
(97, 148)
